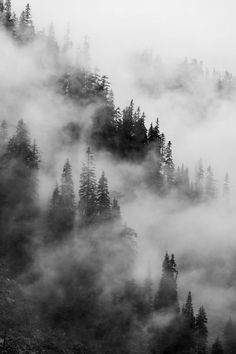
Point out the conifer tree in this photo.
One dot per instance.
(217, 347)
(127, 131)
(14, 26)
(20, 147)
(8, 15)
(155, 159)
(229, 337)
(103, 199)
(67, 197)
(226, 189)
(202, 331)
(151, 134)
(210, 188)
(88, 189)
(188, 312)
(26, 27)
(166, 298)
(140, 133)
(188, 326)
(54, 212)
(199, 181)
(169, 166)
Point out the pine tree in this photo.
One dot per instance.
(127, 131)
(88, 189)
(20, 147)
(14, 26)
(230, 337)
(169, 166)
(61, 213)
(188, 327)
(226, 189)
(217, 347)
(151, 134)
(188, 312)
(103, 199)
(155, 159)
(199, 180)
(202, 331)
(210, 188)
(140, 133)
(67, 197)
(54, 212)
(26, 27)
(166, 298)
(8, 15)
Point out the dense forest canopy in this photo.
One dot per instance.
(92, 205)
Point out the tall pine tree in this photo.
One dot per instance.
(103, 199)
(166, 298)
(201, 331)
(88, 190)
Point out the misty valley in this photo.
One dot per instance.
(108, 244)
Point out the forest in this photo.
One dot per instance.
(67, 263)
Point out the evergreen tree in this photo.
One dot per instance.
(88, 189)
(103, 199)
(217, 347)
(210, 189)
(155, 159)
(127, 131)
(14, 26)
(166, 298)
(26, 27)
(54, 212)
(151, 134)
(188, 312)
(20, 147)
(229, 337)
(18, 178)
(140, 133)
(226, 189)
(188, 325)
(8, 15)
(169, 166)
(61, 213)
(67, 197)
(199, 180)
(202, 331)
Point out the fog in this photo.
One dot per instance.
(200, 124)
